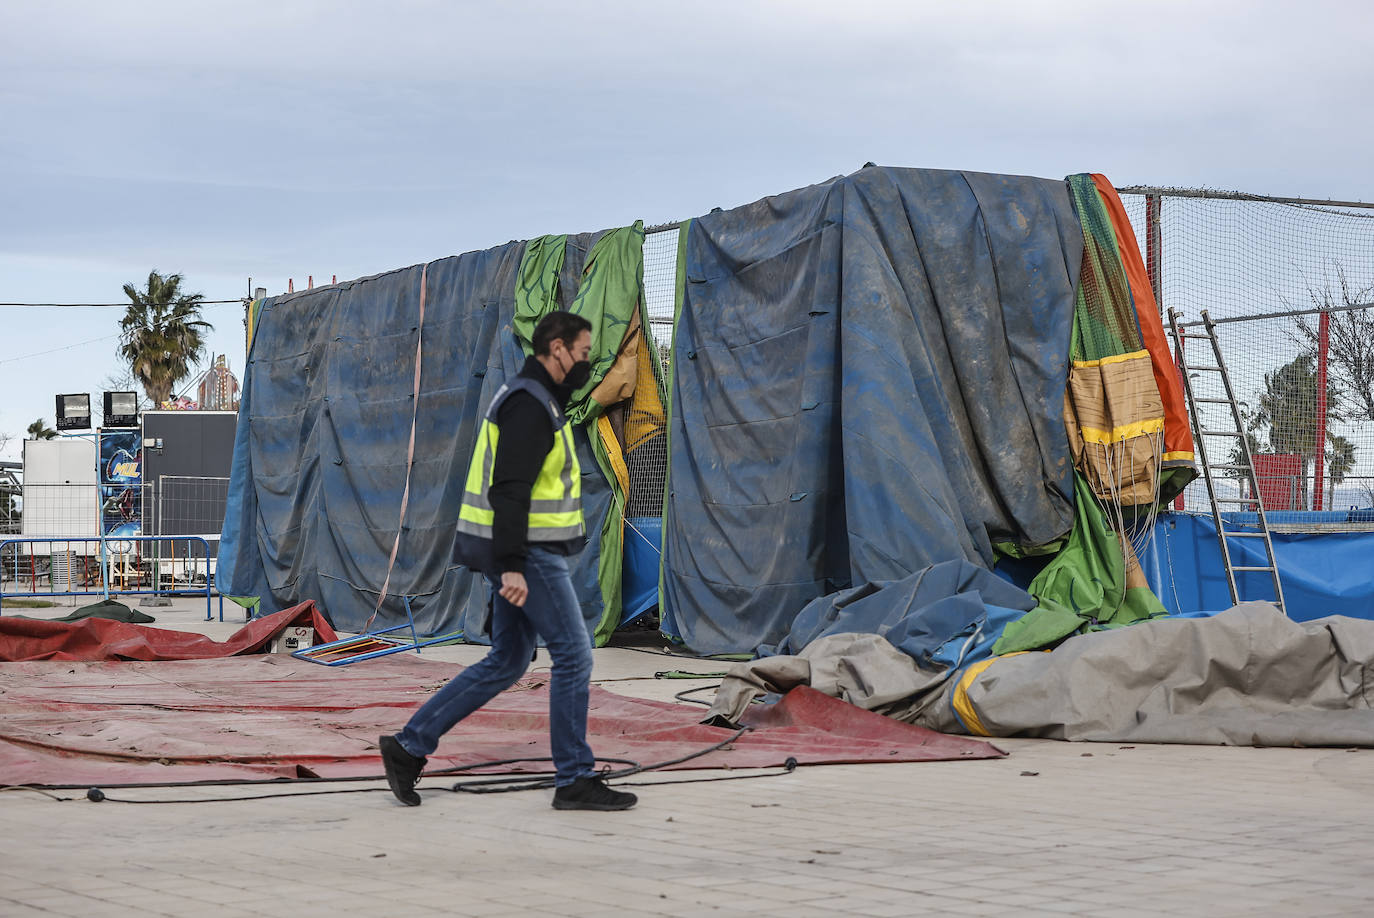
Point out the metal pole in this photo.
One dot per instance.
(1323, 341)
(1152, 246)
(1236, 196)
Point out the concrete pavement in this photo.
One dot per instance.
(1053, 829)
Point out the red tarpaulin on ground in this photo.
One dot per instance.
(273, 716)
(23, 639)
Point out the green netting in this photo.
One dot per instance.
(1104, 322)
(1083, 588)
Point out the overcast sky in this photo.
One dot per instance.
(282, 139)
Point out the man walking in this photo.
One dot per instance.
(520, 519)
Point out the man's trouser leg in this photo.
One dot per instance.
(553, 610)
(512, 645)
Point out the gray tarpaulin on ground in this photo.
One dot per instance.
(1248, 676)
(320, 455)
(869, 379)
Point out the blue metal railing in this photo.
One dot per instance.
(105, 587)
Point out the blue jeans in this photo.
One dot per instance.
(551, 611)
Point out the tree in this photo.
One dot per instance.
(1350, 336)
(161, 334)
(1340, 462)
(39, 430)
(1288, 408)
(1250, 424)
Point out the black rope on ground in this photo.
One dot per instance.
(485, 785)
(681, 696)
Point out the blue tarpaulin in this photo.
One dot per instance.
(869, 380)
(921, 615)
(320, 457)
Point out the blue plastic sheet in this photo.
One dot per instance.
(1323, 573)
(924, 615)
(643, 548)
(869, 380)
(324, 421)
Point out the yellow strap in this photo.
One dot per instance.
(1113, 358)
(1124, 432)
(613, 453)
(962, 706)
(1180, 456)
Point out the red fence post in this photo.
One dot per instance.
(1323, 340)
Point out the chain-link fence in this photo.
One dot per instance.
(660, 287)
(646, 458)
(1292, 283)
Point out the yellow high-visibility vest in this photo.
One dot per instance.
(556, 499)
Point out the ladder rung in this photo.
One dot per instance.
(1212, 401)
(1221, 433)
(1251, 568)
(1237, 500)
(1243, 535)
(1191, 335)
(1216, 369)
(1228, 465)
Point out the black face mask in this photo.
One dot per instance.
(578, 374)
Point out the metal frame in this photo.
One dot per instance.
(371, 638)
(105, 574)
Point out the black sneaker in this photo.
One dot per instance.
(591, 793)
(402, 770)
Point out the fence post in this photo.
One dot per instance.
(1323, 341)
(1152, 243)
(1153, 264)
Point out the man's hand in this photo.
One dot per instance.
(513, 589)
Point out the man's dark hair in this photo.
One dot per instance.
(561, 326)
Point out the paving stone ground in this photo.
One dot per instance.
(1053, 829)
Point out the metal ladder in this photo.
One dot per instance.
(1247, 469)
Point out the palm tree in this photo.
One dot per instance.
(161, 334)
(1340, 462)
(38, 430)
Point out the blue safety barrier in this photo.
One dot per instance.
(1323, 572)
(7, 557)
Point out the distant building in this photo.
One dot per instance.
(219, 388)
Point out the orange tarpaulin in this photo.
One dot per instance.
(1178, 438)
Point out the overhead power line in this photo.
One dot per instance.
(125, 304)
(56, 349)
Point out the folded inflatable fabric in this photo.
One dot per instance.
(1177, 462)
(918, 614)
(1245, 677)
(1248, 676)
(26, 639)
(862, 669)
(1113, 411)
(884, 647)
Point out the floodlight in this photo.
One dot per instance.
(121, 409)
(74, 411)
